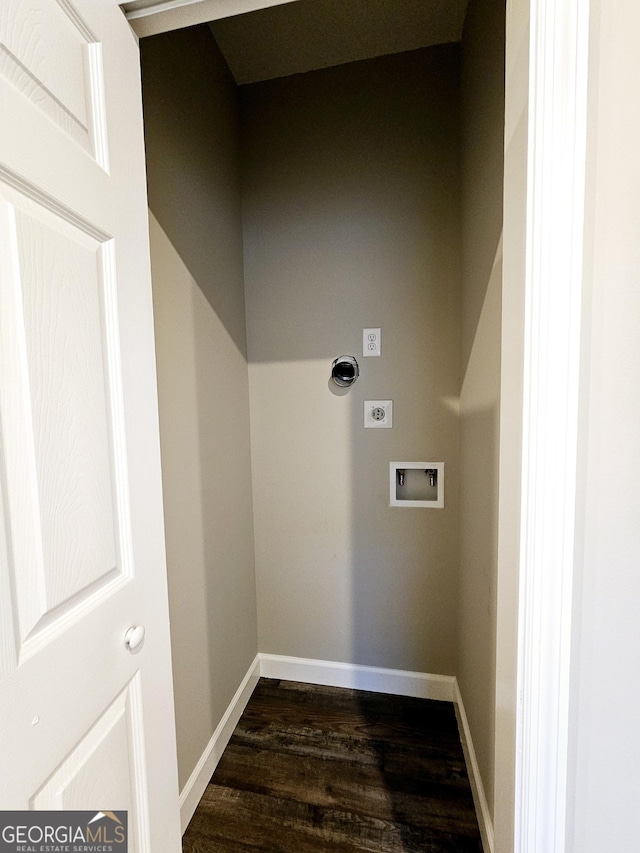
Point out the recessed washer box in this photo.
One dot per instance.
(416, 484)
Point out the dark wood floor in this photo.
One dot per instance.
(314, 769)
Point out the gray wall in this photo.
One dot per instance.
(351, 219)
(191, 133)
(482, 166)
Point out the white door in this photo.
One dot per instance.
(85, 722)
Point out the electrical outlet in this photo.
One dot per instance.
(370, 342)
(378, 414)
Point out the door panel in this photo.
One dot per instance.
(57, 427)
(84, 722)
(51, 56)
(99, 768)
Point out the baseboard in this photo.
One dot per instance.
(333, 674)
(477, 788)
(196, 784)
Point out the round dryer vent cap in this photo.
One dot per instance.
(345, 371)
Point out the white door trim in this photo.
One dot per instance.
(558, 77)
(150, 17)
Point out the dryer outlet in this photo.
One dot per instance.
(378, 414)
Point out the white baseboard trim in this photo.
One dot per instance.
(477, 788)
(196, 784)
(333, 674)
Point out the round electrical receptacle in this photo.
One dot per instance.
(378, 414)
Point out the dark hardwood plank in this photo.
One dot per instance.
(350, 785)
(314, 769)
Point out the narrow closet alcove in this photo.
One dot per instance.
(308, 179)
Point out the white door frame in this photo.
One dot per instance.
(148, 17)
(542, 433)
(553, 293)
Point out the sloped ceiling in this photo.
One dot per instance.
(311, 34)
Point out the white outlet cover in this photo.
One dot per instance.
(378, 414)
(371, 342)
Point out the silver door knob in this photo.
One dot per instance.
(134, 637)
